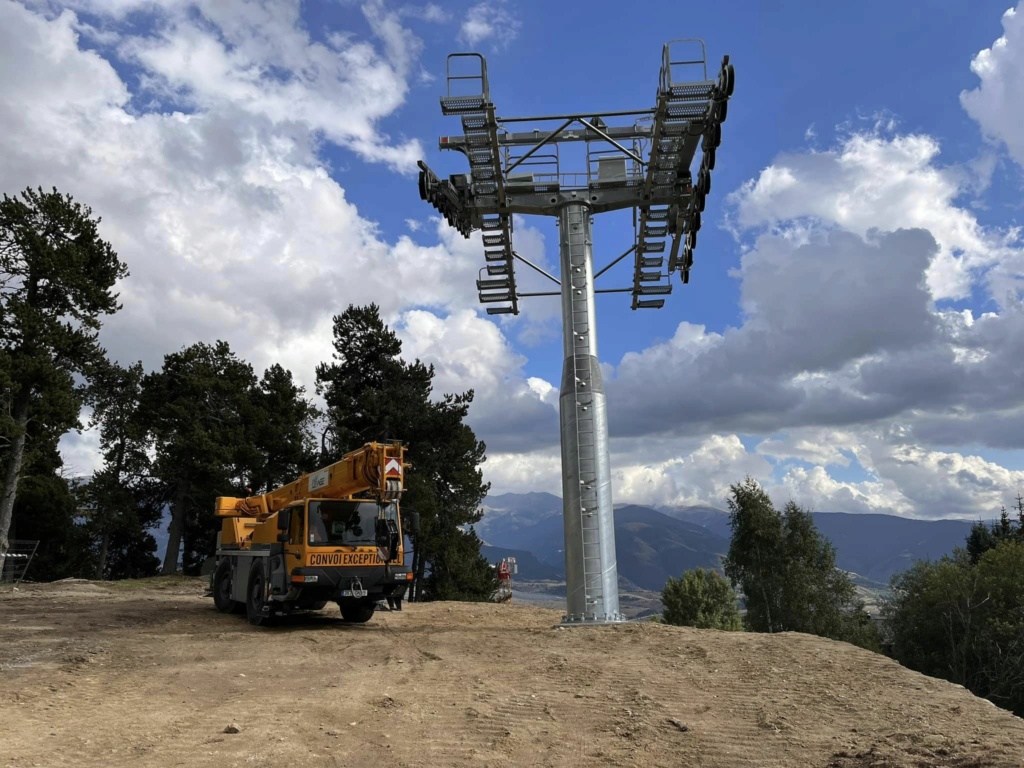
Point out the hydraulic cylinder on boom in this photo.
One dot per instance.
(334, 535)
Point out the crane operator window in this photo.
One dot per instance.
(349, 523)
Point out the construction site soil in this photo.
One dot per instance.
(149, 674)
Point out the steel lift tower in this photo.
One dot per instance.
(643, 164)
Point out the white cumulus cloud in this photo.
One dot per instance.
(468, 352)
(491, 20)
(997, 103)
(872, 181)
(231, 224)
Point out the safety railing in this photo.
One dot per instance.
(666, 77)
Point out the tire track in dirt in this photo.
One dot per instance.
(655, 685)
(506, 709)
(423, 686)
(459, 685)
(461, 717)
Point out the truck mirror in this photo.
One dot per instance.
(412, 520)
(282, 537)
(386, 539)
(381, 537)
(283, 518)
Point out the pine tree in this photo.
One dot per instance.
(979, 541)
(281, 437)
(1020, 517)
(983, 538)
(121, 497)
(57, 277)
(46, 511)
(199, 408)
(373, 394)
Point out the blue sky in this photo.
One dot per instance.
(802, 67)
(852, 330)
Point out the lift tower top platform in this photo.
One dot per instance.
(631, 159)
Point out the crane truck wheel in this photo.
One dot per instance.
(256, 597)
(356, 614)
(222, 589)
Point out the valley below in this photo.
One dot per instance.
(653, 545)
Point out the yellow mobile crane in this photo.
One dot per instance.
(332, 535)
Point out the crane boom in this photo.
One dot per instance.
(376, 468)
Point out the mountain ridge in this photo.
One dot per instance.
(653, 543)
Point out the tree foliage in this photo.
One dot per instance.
(787, 572)
(753, 563)
(371, 393)
(198, 409)
(962, 617)
(701, 598)
(200, 427)
(280, 432)
(56, 281)
(983, 537)
(213, 430)
(46, 511)
(122, 499)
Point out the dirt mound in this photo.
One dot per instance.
(143, 676)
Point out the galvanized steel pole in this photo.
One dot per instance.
(591, 574)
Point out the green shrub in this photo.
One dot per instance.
(702, 599)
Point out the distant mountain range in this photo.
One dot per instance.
(653, 544)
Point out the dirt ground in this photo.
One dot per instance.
(152, 675)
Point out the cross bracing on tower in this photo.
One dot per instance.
(645, 164)
(639, 160)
